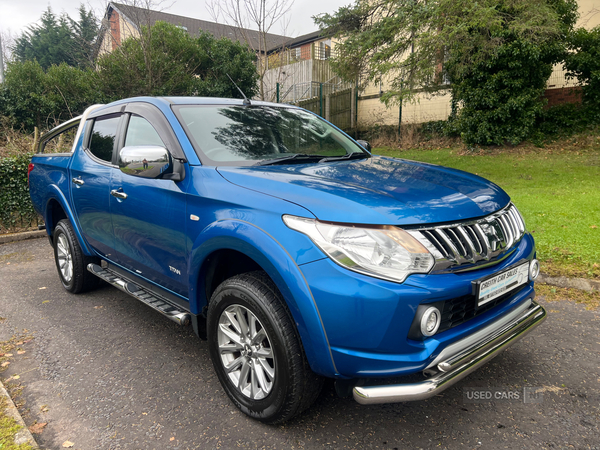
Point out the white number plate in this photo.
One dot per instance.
(499, 284)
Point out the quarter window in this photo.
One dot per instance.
(103, 138)
(140, 132)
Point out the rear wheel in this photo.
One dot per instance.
(71, 263)
(256, 351)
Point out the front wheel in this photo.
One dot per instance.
(256, 351)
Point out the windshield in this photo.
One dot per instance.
(252, 135)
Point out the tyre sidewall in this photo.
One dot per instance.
(270, 407)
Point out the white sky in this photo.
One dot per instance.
(16, 15)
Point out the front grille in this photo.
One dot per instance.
(460, 309)
(472, 241)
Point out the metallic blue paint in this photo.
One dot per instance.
(377, 190)
(351, 325)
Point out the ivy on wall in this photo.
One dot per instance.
(16, 210)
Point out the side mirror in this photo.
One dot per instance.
(365, 145)
(148, 161)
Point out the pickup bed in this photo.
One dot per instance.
(288, 246)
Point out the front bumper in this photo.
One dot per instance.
(459, 359)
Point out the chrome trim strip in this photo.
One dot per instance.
(486, 350)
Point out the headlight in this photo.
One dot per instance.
(380, 251)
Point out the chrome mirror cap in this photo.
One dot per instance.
(148, 161)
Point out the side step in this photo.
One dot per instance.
(151, 299)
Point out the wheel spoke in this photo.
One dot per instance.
(243, 380)
(252, 326)
(253, 383)
(235, 364)
(242, 320)
(233, 321)
(264, 352)
(259, 337)
(264, 364)
(260, 376)
(232, 335)
(232, 347)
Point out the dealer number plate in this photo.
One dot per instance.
(501, 283)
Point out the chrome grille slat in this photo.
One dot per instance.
(450, 248)
(470, 242)
(456, 241)
(436, 243)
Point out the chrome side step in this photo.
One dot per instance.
(153, 300)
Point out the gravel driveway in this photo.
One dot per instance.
(106, 372)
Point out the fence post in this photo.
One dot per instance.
(277, 92)
(353, 108)
(321, 99)
(400, 121)
(328, 107)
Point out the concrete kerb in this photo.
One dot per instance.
(582, 284)
(13, 237)
(23, 436)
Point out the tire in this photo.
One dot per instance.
(71, 263)
(276, 380)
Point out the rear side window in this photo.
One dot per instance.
(63, 142)
(102, 140)
(140, 132)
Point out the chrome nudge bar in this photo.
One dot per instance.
(454, 367)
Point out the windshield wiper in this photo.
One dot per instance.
(300, 157)
(355, 155)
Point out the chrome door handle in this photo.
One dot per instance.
(118, 194)
(78, 181)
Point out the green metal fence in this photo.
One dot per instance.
(331, 101)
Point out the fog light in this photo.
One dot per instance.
(534, 269)
(430, 321)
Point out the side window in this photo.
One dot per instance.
(63, 142)
(140, 132)
(103, 137)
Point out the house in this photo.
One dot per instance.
(427, 108)
(123, 21)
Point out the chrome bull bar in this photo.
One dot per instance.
(468, 355)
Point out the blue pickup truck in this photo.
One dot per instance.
(289, 247)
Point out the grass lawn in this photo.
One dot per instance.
(556, 189)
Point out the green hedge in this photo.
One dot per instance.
(16, 210)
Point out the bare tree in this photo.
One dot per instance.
(253, 20)
(6, 42)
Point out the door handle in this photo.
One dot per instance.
(78, 181)
(118, 194)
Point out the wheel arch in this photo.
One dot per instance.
(260, 250)
(57, 208)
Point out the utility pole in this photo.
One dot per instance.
(1, 63)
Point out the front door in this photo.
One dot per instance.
(148, 217)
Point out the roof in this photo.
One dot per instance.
(142, 16)
(304, 39)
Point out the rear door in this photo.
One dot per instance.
(91, 171)
(149, 223)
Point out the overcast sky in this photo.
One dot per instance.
(16, 15)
